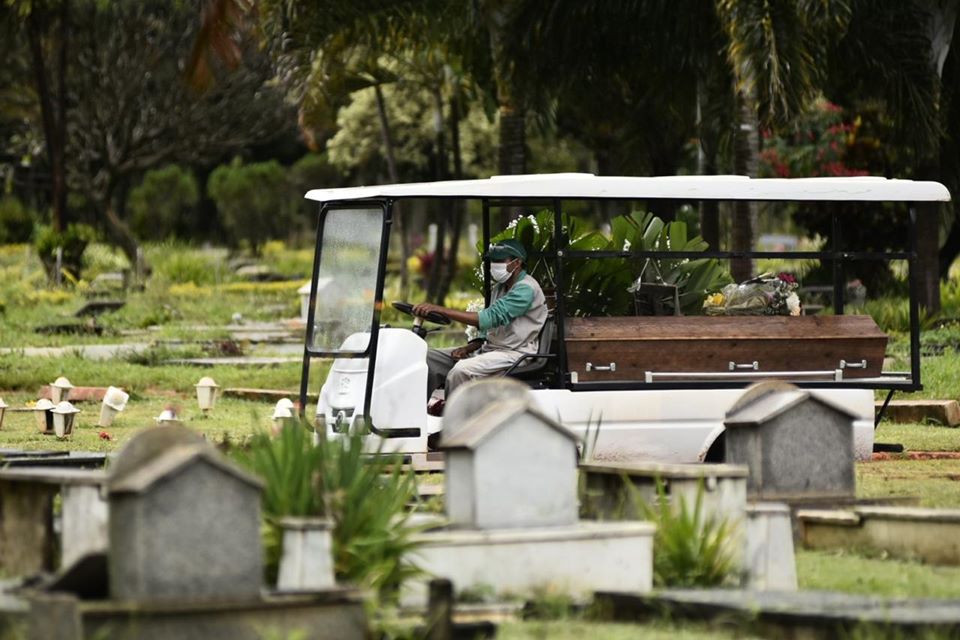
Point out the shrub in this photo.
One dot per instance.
(364, 496)
(16, 221)
(73, 240)
(161, 206)
(254, 200)
(178, 264)
(688, 549)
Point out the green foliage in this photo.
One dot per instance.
(101, 258)
(73, 240)
(164, 203)
(174, 263)
(254, 200)
(893, 314)
(365, 496)
(599, 286)
(314, 171)
(16, 221)
(689, 550)
(824, 141)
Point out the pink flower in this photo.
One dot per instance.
(105, 436)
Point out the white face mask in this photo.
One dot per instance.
(499, 271)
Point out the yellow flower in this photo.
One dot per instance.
(714, 300)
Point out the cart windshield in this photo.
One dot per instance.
(346, 279)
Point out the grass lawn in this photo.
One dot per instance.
(851, 572)
(583, 630)
(919, 437)
(935, 482)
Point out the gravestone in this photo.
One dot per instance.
(510, 466)
(796, 445)
(473, 397)
(184, 521)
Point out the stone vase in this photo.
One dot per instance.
(306, 563)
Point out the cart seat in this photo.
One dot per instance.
(531, 366)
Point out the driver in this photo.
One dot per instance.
(509, 327)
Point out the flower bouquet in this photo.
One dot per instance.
(765, 295)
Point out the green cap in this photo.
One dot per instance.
(506, 249)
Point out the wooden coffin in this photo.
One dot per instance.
(625, 348)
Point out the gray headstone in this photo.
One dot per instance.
(509, 465)
(796, 445)
(473, 397)
(150, 443)
(184, 522)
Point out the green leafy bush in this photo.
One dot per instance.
(16, 221)
(598, 286)
(254, 200)
(164, 203)
(73, 240)
(365, 496)
(689, 550)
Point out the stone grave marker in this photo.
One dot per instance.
(184, 521)
(795, 444)
(473, 397)
(510, 466)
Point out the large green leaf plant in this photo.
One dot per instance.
(596, 286)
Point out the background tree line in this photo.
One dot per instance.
(97, 95)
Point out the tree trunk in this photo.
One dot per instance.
(53, 131)
(60, 176)
(745, 157)
(458, 205)
(440, 173)
(707, 165)
(119, 231)
(511, 152)
(394, 178)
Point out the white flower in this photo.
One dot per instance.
(626, 245)
(474, 305)
(793, 304)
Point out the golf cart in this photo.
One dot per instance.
(660, 385)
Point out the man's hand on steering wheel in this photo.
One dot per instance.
(425, 308)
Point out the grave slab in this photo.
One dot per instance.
(943, 412)
(27, 535)
(905, 532)
(804, 614)
(265, 395)
(574, 560)
(332, 615)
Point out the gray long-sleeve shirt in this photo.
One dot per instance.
(515, 316)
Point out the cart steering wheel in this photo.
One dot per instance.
(434, 316)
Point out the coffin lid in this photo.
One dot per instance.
(492, 419)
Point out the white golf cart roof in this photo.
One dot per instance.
(576, 186)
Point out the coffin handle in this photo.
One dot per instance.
(752, 366)
(853, 365)
(601, 367)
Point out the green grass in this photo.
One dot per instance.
(919, 437)
(231, 419)
(27, 375)
(581, 630)
(855, 573)
(935, 482)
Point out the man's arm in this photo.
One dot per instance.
(466, 317)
